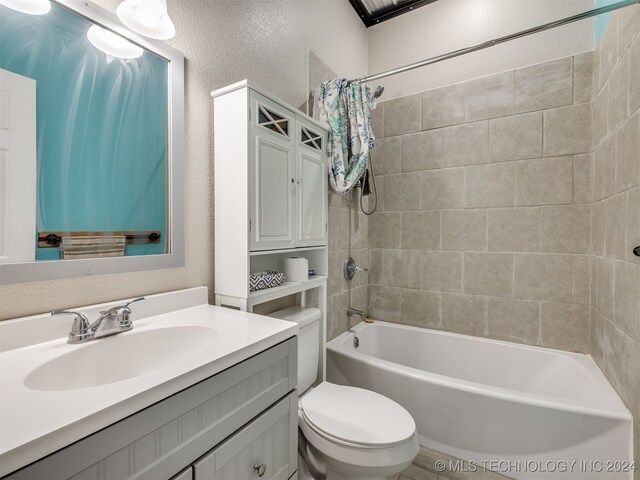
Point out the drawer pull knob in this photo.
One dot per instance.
(261, 469)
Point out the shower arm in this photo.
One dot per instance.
(492, 43)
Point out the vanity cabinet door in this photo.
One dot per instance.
(272, 179)
(311, 194)
(264, 449)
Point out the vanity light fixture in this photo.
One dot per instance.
(147, 17)
(32, 7)
(113, 44)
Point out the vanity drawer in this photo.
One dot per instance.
(264, 449)
(166, 437)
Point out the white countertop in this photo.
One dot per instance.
(35, 423)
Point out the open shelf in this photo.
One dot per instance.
(287, 288)
(286, 250)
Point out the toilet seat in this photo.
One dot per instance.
(356, 417)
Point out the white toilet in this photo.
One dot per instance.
(346, 432)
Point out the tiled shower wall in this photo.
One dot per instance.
(615, 297)
(484, 217)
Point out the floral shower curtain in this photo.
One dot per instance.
(346, 109)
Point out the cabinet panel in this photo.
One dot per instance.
(166, 437)
(264, 449)
(312, 192)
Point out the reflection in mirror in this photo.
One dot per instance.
(94, 184)
(84, 132)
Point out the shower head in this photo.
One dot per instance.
(378, 91)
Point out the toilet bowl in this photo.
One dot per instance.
(352, 433)
(345, 432)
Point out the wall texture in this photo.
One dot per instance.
(223, 42)
(485, 218)
(615, 297)
(442, 27)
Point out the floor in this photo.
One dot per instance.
(434, 465)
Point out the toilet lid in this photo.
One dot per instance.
(357, 416)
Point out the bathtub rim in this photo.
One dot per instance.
(622, 413)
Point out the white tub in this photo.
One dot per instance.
(526, 412)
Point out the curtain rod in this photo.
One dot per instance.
(497, 41)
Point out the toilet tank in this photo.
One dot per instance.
(308, 320)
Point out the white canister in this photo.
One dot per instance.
(296, 269)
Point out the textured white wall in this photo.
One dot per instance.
(448, 25)
(223, 41)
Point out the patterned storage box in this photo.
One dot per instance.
(262, 280)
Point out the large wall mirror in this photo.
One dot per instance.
(91, 145)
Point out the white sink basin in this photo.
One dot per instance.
(120, 357)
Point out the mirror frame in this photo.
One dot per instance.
(58, 269)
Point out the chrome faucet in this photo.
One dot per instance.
(353, 312)
(349, 268)
(110, 322)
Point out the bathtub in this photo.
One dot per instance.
(525, 412)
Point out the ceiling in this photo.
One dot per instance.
(372, 12)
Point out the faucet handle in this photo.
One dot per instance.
(139, 299)
(122, 313)
(81, 330)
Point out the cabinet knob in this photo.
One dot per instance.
(261, 469)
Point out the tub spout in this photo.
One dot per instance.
(352, 312)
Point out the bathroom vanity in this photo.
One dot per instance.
(192, 392)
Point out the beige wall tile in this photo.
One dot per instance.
(616, 236)
(376, 257)
(402, 192)
(582, 77)
(421, 309)
(566, 229)
(402, 115)
(628, 154)
(627, 298)
(515, 137)
(598, 227)
(514, 320)
(544, 277)
(636, 447)
(441, 271)
(567, 130)
(604, 182)
(606, 296)
(597, 337)
(489, 185)
(546, 85)
(336, 282)
(628, 27)
(385, 230)
(634, 74)
(377, 120)
(387, 156)
(338, 229)
(422, 151)
(607, 49)
(401, 268)
(582, 178)
(464, 230)
(489, 97)
(443, 106)
(633, 224)
(337, 320)
(488, 274)
(464, 313)
(546, 181)
(466, 144)
(359, 299)
(565, 326)
(619, 94)
(600, 116)
(442, 189)
(359, 226)
(582, 278)
(384, 303)
(623, 367)
(514, 229)
(421, 230)
(593, 266)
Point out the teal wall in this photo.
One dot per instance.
(101, 128)
(601, 20)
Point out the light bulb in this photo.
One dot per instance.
(148, 14)
(32, 7)
(147, 17)
(113, 44)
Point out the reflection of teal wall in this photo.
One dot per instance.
(101, 128)
(601, 20)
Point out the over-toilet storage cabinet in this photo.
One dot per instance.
(270, 195)
(218, 429)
